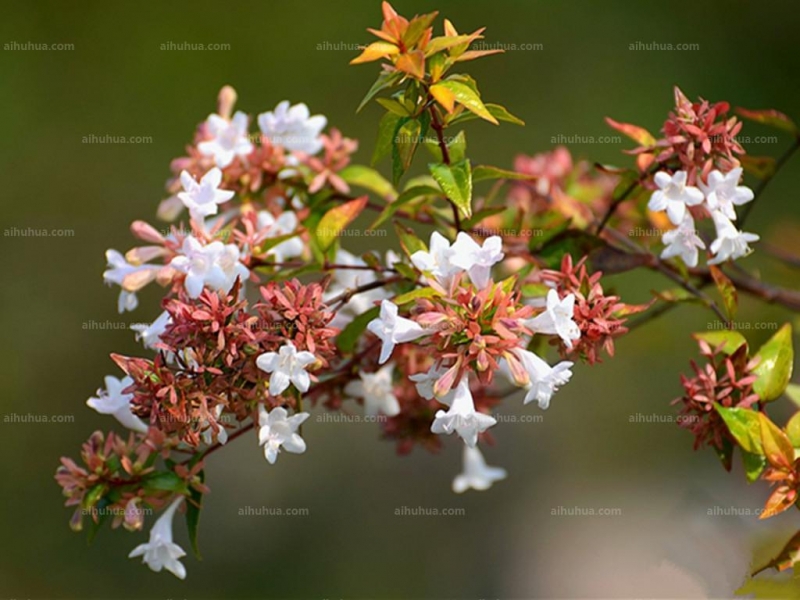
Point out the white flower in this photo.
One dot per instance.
(208, 433)
(730, 243)
(215, 265)
(151, 334)
(437, 260)
(377, 391)
(674, 195)
(285, 224)
(476, 475)
(723, 192)
(161, 552)
(557, 318)
(118, 269)
(287, 366)
(293, 127)
(229, 139)
(392, 329)
(202, 199)
(544, 380)
(112, 401)
(276, 431)
(462, 417)
(477, 260)
(425, 382)
(683, 241)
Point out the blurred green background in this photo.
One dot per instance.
(585, 452)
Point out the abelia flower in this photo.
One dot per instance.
(393, 329)
(475, 259)
(215, 265)
(284, 224)
(425, 383)
(150, 334)
(287, 366)
(683, 241)
(221, 434)
(438, 260)
(112, 401)
(477, 475)
(674, 195)
(557, 319)
(278, 431)
(723, 192)
(377, 391)
(121, 272)
(293, 128)
(325, 169)
(462, 416)
(730, 243)
(228, 139)
(160, 552)
(202, 199)
(543, 380)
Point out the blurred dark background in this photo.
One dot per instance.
(586, 452)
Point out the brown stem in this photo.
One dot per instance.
(439, 129)
(765, 182)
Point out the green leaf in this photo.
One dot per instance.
(777, 447)
(467, 97)
(394, 106)
(726, 289)
(730, 341)
(482, 172)
(93, 496)
(425, 292)
(785, 559)
(416, 28)
(336, 219)
(193, 505)
(386, 131)
(498, 112)
(774, 369)
(164, 481)
(404, 198)
(753, 465)
(793, 430)
(404, 145)
(369, 179)
(440, 43)
(347, 339)
(771, 118)
(385, 80)
(744, 425)
(457, 148)
(792, 392)
(409, 240)
(456, 182)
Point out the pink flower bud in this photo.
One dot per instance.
(146, 232)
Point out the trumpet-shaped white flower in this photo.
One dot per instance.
(674, 195)
(462, 417)
(557, 318)
(392, 329)
(118, 269)
(438, 260)
(202, 199)
(277, 430)
(683, 241)
(208, 433)
(160, 552)
(286, 366)
(544, 379)
(151, 334)
(475, 259)
(377, 391)
(293, 127)
(477, 474)
(723, 192)
(425, 382)
(285, 224)
(112, 401)
(215, 265)
(730, 243)
(229, 139)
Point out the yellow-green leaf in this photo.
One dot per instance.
(456, 182)
(469, 98)
(336, 219)
(775, 363)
